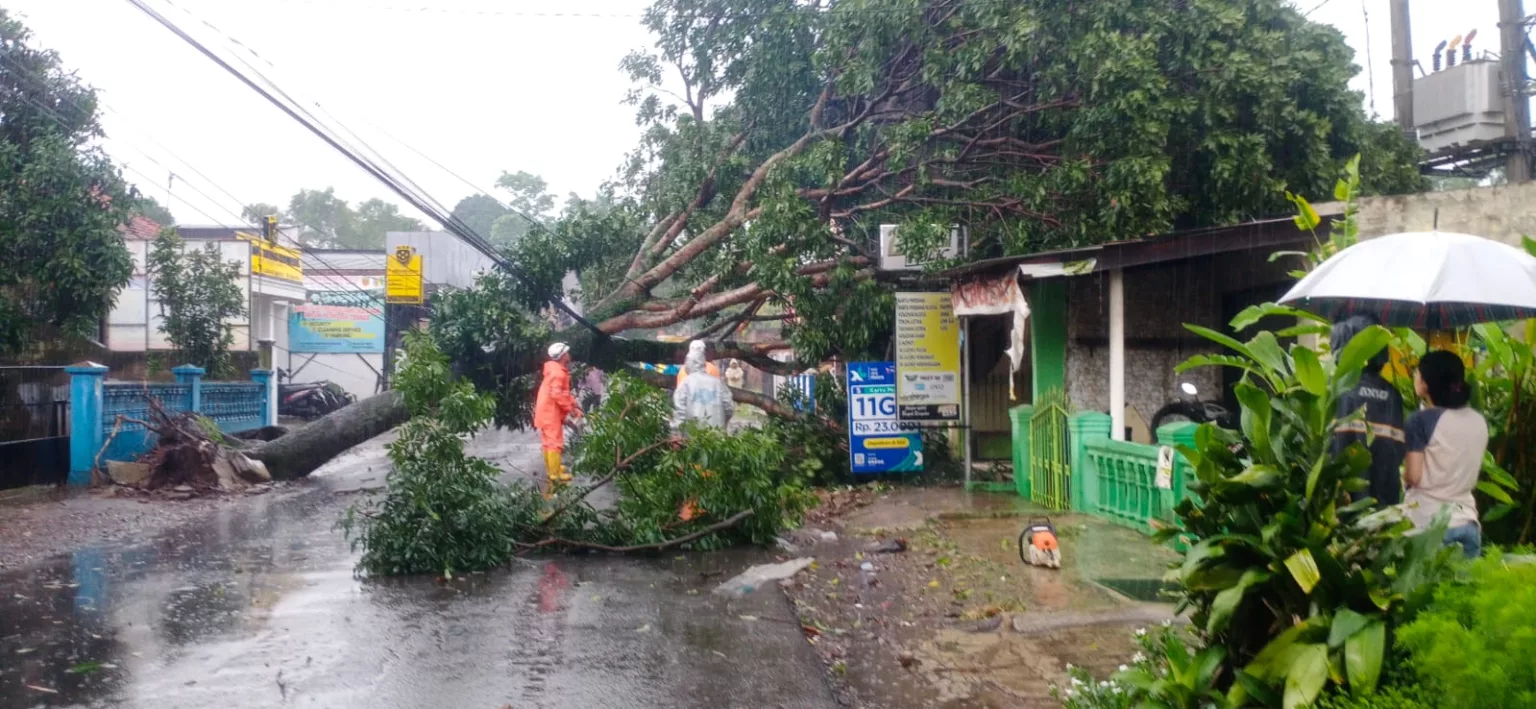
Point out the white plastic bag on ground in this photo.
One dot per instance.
(753, 578)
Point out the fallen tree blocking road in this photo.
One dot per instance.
(302, 451)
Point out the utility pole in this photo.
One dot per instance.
(1517, 107)
(1402, 67)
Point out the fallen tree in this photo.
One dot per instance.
(757, 192)
(301, 452)
(445, 512)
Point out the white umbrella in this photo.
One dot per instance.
(1424, 280)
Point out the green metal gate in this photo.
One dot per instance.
(1050, 456)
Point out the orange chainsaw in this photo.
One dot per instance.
(1038, 545)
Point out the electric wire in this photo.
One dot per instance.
(392, 177)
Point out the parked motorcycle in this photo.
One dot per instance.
(311, 400)
(1193, 410)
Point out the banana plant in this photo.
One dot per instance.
(1297, 584)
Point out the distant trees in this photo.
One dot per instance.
(327, 221)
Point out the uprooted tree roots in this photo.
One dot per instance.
(190, 452)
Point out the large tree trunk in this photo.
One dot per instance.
(301, 452)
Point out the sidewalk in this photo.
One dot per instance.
(957, 619)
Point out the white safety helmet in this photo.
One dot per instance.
(558, 349)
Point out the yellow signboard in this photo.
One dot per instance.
(927, 358)
(273, 261)
(403, 277)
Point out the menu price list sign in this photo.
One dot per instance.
(927, 358)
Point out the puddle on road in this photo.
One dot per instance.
(258, 607)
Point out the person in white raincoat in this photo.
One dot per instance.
(701, 397)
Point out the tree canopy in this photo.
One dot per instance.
(61, 200)
(778, 136)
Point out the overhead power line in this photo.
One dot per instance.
(239, 219)
(385, 173)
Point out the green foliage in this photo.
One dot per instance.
(709, 474)
(1299, 587)
(1474, 646)
(1343, 231)
(444, 511)
(1164, 674)
(61, 201)
(817, 452)
(199, 293)
(148, 208)
(479, 212)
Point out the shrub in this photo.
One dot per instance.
(1475, 645)
(444, 511)
(671, 487)
(1297, 587)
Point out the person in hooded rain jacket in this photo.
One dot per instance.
(553, 405)
(1382, 430)
(701, 397)
(697, 348)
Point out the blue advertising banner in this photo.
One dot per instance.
(877, 442)
(316, 328)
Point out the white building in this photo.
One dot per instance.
(270, 281)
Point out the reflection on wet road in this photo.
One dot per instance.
(257, 606)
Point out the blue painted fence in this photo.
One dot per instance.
(97, 405)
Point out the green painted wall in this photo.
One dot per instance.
(1048, 334)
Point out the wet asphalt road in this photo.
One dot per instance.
(257, 606)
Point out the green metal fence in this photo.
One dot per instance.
(1050, 452)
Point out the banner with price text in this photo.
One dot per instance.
(877, 441)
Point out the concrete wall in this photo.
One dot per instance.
(1503, 212)
(1159, 300)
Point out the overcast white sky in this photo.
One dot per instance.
(481, 85)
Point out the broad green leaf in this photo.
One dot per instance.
(1345, 623)
(1497, 473)
(1320, 331)
(1263, 477)
(1252, 314)
(1309, 371)
(1307, 675)
(1248, 686)
(1220, 339)
(1227, 601)
(1529, 244)
(1499, 512)
(1303, 569)
(1306, 218)
(1315, 473)
(1495, 492)
(1363, 652)
(1217, 360)
(1256, 415)
(1361, 348)
(1266, 349)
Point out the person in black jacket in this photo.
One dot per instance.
(1383, 419)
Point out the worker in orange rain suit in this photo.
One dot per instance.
(551, 408)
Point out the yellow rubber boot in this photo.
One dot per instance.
(552, 466)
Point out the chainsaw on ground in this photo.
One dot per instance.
(1038, 545)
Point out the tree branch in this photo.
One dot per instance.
(726, 523)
